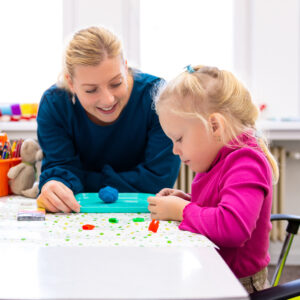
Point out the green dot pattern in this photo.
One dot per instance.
(114, 230)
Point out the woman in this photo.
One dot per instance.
(97, 126)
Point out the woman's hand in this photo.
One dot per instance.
(174, 192)
(56, 197)
(167, 207)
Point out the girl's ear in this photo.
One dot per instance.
(217, 125)
(70, 82)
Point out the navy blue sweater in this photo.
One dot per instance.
(133, 154)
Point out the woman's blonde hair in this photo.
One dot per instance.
(202, 91)
(89, 47)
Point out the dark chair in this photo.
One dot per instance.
(283, 291)
(289, 289)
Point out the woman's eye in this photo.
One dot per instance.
(179, 140)
(115, 85)
(91, 91)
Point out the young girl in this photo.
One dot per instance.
(210, 118)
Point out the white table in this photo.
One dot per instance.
(153, 270)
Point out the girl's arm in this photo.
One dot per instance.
(243, 191)
(167, 207)
(174, 192)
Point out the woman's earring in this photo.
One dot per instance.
(218, 138)
(73, 99)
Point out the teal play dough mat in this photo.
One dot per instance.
(126, 203)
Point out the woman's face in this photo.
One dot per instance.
(102, 90)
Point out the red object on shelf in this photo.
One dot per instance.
(15, 118)
(25, 118)
(262, 107)
(153, 226)
(88, 227)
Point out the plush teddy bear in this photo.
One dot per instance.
(23, 178)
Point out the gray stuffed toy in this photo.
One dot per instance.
(23, 178)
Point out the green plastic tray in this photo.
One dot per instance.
(126, 203)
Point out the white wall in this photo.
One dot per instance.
(267, 53)
(120, 16)
(275, 64)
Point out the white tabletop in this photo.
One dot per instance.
(115, 273)
(108, 270)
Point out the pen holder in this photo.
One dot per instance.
(5, 165)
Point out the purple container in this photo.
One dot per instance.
(16, 109)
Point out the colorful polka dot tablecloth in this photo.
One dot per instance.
(117, 229)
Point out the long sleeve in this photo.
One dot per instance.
(60, 162)
(235, 205)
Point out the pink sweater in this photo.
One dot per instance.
(231, 205)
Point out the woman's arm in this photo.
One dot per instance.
(60, 162)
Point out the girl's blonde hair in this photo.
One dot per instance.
(89, 47)
(203, 90)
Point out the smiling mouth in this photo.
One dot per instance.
(186, 162)
(107, 110)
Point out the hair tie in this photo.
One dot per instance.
(190, 69)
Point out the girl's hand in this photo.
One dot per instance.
(167, 207)
(56, 197)
(174, 192)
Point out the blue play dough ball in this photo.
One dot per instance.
(108, 194)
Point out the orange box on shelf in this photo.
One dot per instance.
(5, 165)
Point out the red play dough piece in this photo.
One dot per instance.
(153, 226)
(88, 227)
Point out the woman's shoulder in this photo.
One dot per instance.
(55, 102)
(55, 92)
(56, 96)
(145, 87)
(145, 80)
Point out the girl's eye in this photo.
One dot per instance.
(91, 91)
(179, 140)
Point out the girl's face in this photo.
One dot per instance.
(102, 90)
(196, 146)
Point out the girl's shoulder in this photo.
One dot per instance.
(248, 159)
(245, 149)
